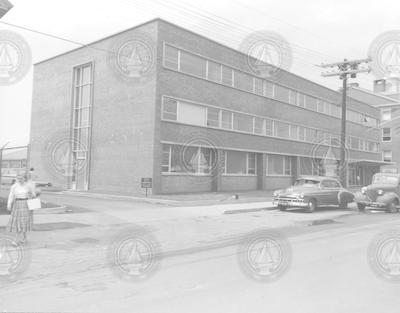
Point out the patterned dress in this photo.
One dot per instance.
(21, 219)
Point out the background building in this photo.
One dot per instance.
(385, 97)
(187, 112)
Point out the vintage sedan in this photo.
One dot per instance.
(310, 192)
(383, 193)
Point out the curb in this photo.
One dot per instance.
(249, 210)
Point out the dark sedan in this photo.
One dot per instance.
(310, 192)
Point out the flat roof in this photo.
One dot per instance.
(158, 19)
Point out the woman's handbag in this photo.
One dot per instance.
(34, 204)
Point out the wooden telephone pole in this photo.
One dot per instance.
(343, 69)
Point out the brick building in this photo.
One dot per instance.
(193, 118)
(385, 97)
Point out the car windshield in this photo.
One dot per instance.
(381, 179)
(306, 182)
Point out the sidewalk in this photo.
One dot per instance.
(189, 199)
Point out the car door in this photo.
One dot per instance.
(332, 189)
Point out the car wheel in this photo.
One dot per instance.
(361, 207)
(311, 205)
(343, 206)
(391, 207)
(282, 208)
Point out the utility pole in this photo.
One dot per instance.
(343, 69)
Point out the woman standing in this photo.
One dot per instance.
(21, 220)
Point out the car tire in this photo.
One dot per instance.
(391, 207)
(311, 205)
(282, 207)
(361, 207)
(343, 206)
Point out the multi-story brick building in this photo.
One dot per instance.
(385, 97)
(193, 118)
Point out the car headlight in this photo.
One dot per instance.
(302, 195)
(364, 190)
(380, 192)
(276, 193)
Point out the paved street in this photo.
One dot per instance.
(198, 268)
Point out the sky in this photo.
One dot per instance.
(318, 31)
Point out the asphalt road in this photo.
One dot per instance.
(320, 267)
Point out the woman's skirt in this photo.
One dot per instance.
(21, 219)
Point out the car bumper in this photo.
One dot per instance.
(290, 203)
(373, 204)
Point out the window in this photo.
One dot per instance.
(281, 93)
(387, 155)
(259, 126)
(311, 135)
(307, 166)
(214, 71)
(226, 120)
(311, 103)
(171, 57)
(335, 110)
(293, 97)
(269, 89)
(243, 122)
(294, 132)
(278, 165)
(170, 109)
(213, 117)
(243, 81)
(258, 86)
(355, 143)
(183, 159)
(301, 100)
(251, 163)
(386, 134)
(192, 64)
(386, 115)
(302, 133)
(330, 184)
(281, 129)
(269, 127)
(227, 76)
(192, 114)
(240, 163)
(81, 121)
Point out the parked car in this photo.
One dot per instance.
(310, 192)
(383, 193)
